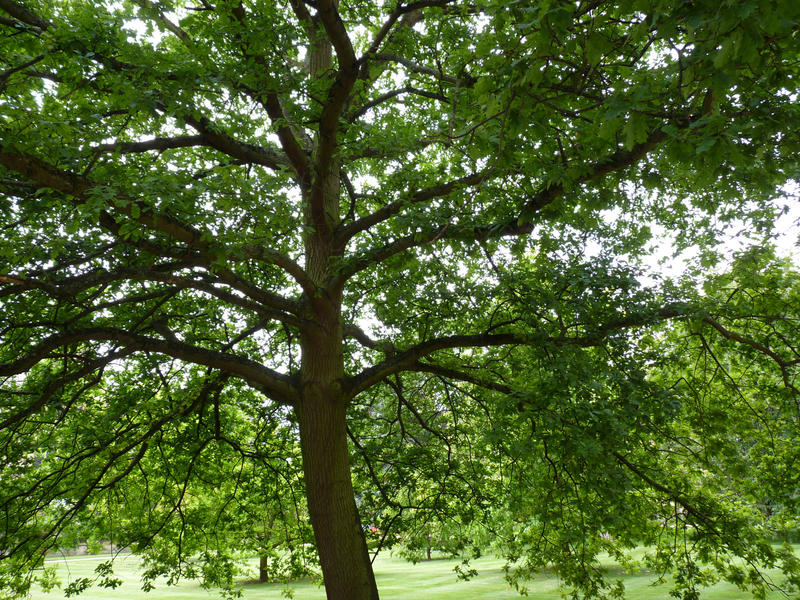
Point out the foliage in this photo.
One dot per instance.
(271, 269)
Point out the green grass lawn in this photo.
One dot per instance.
(397, 579)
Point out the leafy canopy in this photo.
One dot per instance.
(221, 219)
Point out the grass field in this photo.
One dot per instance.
(397, 580)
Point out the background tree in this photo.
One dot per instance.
(218, 211)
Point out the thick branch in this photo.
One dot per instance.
(159, 144)
(355, 332)
(405, 360)
(21, 13)
(332, 110)
(276, 385)
(382, 33)
(284, 262)
(226, 144)
(395, 152)
(304, 17)
(337, 34)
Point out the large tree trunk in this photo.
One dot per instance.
(341, 544)
(321, 411)
(263, 569)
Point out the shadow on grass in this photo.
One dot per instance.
(256, 582)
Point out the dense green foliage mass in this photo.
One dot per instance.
(310, 278)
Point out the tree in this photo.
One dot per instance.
(227, 219)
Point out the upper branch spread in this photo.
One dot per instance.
(79, 187)
(520, 224)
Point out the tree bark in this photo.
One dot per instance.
(321, 414)
(342, 547)
(321, 410)
(263, 570)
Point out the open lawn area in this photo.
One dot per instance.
(397, 579)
